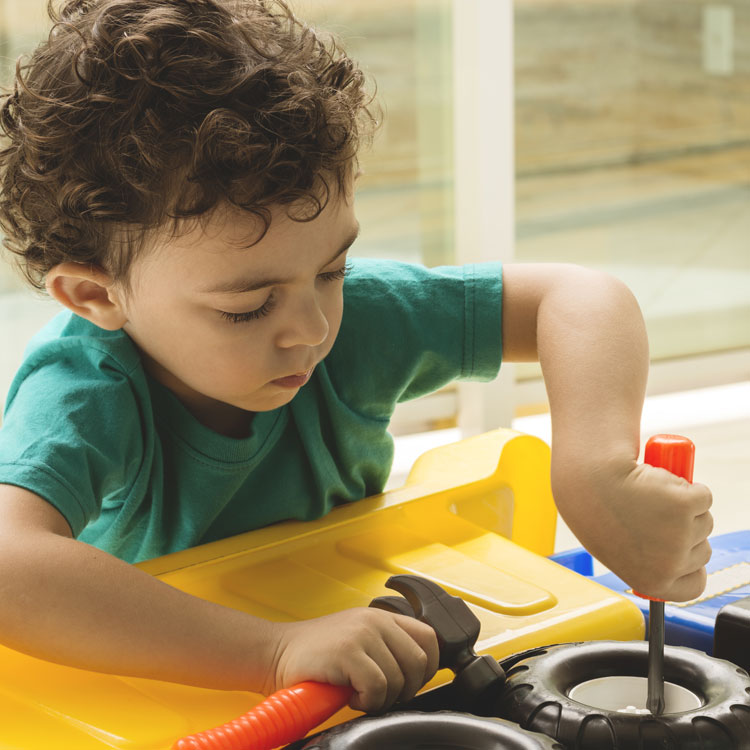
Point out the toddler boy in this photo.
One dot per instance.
(179, 175)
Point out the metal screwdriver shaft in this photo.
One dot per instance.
(676, 454)
(655, 700)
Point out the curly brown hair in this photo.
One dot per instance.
(134, 115)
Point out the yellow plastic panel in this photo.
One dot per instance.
(453, 533)
(397, 551)
(507, 475)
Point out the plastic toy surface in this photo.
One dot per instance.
(476, 517)
(689, 623)
(590, 695)
(442, 729)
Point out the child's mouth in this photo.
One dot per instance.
(294, 381)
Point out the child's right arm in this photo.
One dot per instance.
(69, 602)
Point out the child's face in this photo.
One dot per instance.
(214, 344)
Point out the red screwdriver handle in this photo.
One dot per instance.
(674, 453)
(283, 717)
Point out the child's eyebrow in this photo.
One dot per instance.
(239, 286)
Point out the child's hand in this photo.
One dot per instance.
(385, 657)
(647, 525)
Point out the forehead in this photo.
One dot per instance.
(230, 241)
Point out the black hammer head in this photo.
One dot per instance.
(456, 627)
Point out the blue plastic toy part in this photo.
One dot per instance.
(578, 560)
(691, 623)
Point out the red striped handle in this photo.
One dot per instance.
(673, 453)
(283, 717)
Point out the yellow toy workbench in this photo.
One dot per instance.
(477, 517)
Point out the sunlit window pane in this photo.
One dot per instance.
(405, 198)
(633, 155)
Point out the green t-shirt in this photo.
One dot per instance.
(135, 474)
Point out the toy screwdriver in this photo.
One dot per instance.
(676, 454)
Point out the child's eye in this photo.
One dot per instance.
(336, 275)
(244, 317)
(270, 303)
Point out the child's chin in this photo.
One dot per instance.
(274, 401)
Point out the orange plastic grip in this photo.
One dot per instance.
(283, 717)
(674, 453)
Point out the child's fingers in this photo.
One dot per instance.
(375, 677)
(682, 583)
(699, 556)
(382, 655)
(688, 587)
(414, 659)
(400, 649)
(406, 655)
(426, 639)
(703, 525)
(702, 498)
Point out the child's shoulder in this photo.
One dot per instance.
(378, 290)
(69, 336)
(369, 275)
(403, 273)
(69, 354)
(384, 269)
(374, 284)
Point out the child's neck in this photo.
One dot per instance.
(234, 424)
(218, 416)
(225, 419)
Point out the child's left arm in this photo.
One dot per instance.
(587, 331)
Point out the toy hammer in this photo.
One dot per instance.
(478, 678)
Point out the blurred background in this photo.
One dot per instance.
(610, 133)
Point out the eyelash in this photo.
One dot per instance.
(336, 275)
(261, 312)
(270, 303)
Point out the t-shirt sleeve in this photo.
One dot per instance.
(71, 432)
(408, 330)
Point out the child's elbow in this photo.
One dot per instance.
(594, 283)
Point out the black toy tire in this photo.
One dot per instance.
(537, 687)
(412, 730)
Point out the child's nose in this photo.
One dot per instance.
(307, 325)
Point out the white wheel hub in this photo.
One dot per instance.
(629, 695)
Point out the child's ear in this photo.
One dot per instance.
(88, 291)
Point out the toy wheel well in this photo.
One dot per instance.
(538, 686)
(411, 730)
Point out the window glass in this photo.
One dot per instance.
(22, 312)
(633, 155)
(22, 25)
(405, 196)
